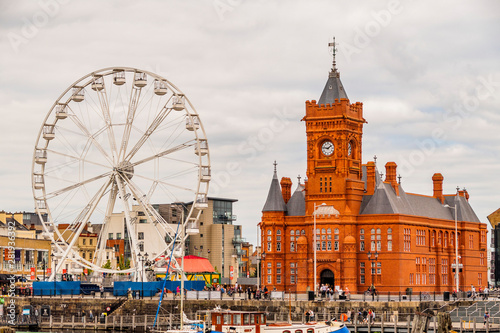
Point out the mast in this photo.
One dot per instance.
(182, 267)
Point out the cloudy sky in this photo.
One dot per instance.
(427, 72)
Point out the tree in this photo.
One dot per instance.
(107, 264)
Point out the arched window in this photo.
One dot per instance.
(328, 231)
(440, 238)
(389, 239)
(269, 232)
(433, 238)
(445, 240)
(278, 232)
(323, 231)
(379, 231)
(292, 232)
(337, 231)
(452, 239)
(302, 232)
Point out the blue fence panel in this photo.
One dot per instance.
(45, 288)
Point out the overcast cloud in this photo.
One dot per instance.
(427, 72)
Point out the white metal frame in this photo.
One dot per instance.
(113, 132)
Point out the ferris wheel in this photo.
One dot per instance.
(118, 141)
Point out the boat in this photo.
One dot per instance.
(232, 321)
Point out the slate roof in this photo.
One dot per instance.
(333, 89)
(274, 202)
(385, 201)
(296, 206)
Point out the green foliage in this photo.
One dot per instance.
(107, 264)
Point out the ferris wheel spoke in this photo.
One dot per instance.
(132, 107)
(154, 125)
(165, 183)
(181, 146)
(92, 139)
(53, 194)
(82, 220)
(103, 99)
(144, 202)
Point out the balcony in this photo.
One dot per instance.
(238, 253)
(238, 240)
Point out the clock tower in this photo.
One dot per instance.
(334, 129)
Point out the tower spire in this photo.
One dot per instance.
(334, 50)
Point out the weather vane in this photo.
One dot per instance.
(333, 51)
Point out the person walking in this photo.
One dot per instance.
(486, 317)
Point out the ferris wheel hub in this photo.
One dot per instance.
(125, 168)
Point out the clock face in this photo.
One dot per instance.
(327, 148)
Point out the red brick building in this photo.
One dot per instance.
(413, 235)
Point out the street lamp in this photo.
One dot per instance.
(456, 241)
(322, 209)
(43, 263)
(373, 267)
(142, 259)
(54, 264)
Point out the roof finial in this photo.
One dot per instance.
(275, 164)
(375, 159)
(298, 177)
(399, 179)
(332, 45)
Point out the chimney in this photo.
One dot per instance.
(437, 181)
(286, 188)
(390, 175)
(370, 178)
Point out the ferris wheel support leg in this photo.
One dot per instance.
(130, 226)
(102, 236)
(85, 214)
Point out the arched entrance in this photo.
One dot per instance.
(327, 277)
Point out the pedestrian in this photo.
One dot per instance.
(249, 292)
(308, 316)
(486, 317)
(83, 316)
(486, 293)
(311, 314)
(349, 313)
(91, 315)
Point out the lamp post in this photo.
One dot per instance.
(375, 257)
(43, 263)
(54, 264)
(456, 242)
(142, 259)
(263, 256)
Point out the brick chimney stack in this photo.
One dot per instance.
(437, 181)
(390, 175)
(286, 188)
(370, 178)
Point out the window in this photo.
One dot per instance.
(227, 319)
(269, 271)
(292, 247)
(269, 279)
(278, 238)
(278, 279)
(110, 235)
(433, 238)
(445, 240)
(84, 241)
(143, 221)
(481, 259)
(452, 239)
(278, 232)
(140, 235)
(323, 246)
(269, 238)
(379, 245)
(328, 231)
(278, 270)
(432, 271)
(362, 245)
(269, 232)
(362, 272)
(237, 319)
(407, 239)
(336, 245)
(318, 246)
(329, 245)
(246, 319)
(483, 236)
(292, 279)
(83, 255)
(480, 279)
(118, 235)
(389, 245)
(471, 241)
(269, 265)
(302, 232)
(278, 264)
(440, 236)
(141, 247)
(292, 232)
(90, 241)
(411, 278)
(372, 247)
(269, 247)
(323, 231)
(278, 246)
